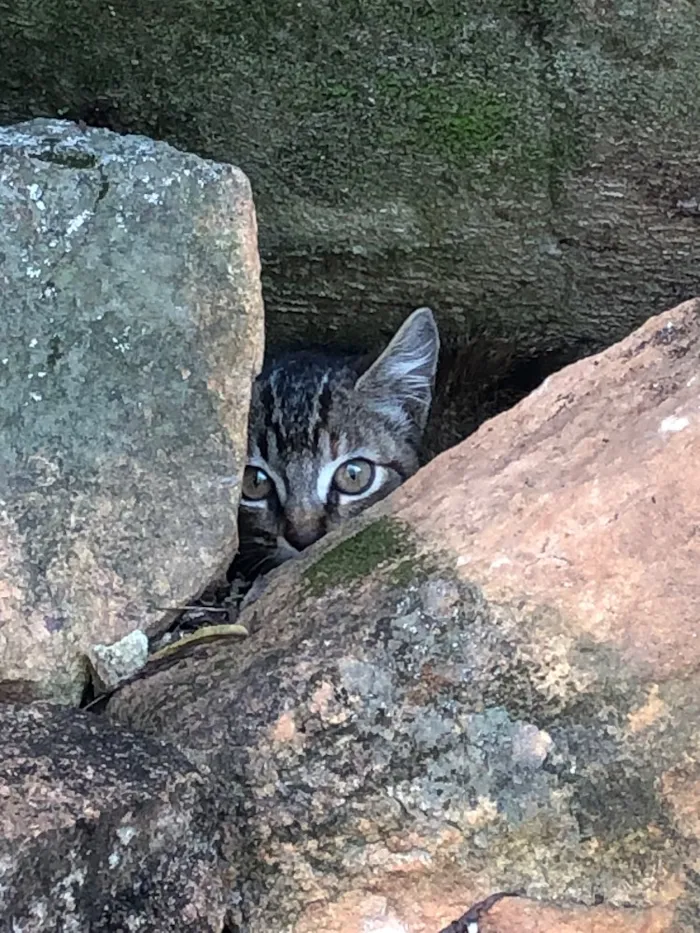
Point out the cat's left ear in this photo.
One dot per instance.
(399, 384)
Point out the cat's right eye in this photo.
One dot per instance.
(354, 477)
(256, 484)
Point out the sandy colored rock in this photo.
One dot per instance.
(428, 914)
(101, 829)
(130, 328)
(584, 498)
(487, 683)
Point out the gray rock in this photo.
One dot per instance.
(101, 829)
(113, 663)
(527, 169)
(130, 329)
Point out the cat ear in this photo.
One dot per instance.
(399, 384)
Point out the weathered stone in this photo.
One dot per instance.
(584, 498)
(491, 685)
(372, 913)
(101, 829)
(116, 662)
(130, 328)
(519, 916)
(528, 168)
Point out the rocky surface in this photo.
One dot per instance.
(101, 829)
(522, 916)
(490, 685)
(527, 169)
(130, 328)
(373, 913)
(584, 498)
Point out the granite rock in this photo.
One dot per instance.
(489, 682)
(102, 830)
(130, 329)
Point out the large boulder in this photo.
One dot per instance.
(130, 330)
(528, 169)
(102, 830)
(490, 685)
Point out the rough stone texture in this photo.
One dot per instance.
(101, 829)
(116, 662)
(130, 328)
(373, 913)
(528, 917)
(491, 685)
(526, 167)
(603, 501)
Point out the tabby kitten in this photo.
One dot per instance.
(326, 440)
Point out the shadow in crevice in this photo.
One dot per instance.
(483, 378)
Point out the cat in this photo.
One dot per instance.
(327, 439)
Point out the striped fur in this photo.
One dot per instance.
(310, 414)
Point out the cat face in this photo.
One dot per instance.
(327, 440)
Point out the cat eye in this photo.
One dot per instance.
(256, 483)
(354, 477)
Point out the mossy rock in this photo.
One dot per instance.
(509, 162)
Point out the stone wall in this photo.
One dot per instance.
(527, 167)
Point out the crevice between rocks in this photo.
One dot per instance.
(475, 382)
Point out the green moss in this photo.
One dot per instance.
(356, 557)
(444, 119)
(407, 571)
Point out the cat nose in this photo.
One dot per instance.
(303, 535)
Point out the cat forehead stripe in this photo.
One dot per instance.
(324, 400)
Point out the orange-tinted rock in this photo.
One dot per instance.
(586, 497)
(522, 916)
(489, 684)
(424, 910)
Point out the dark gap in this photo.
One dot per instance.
(480, 380)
